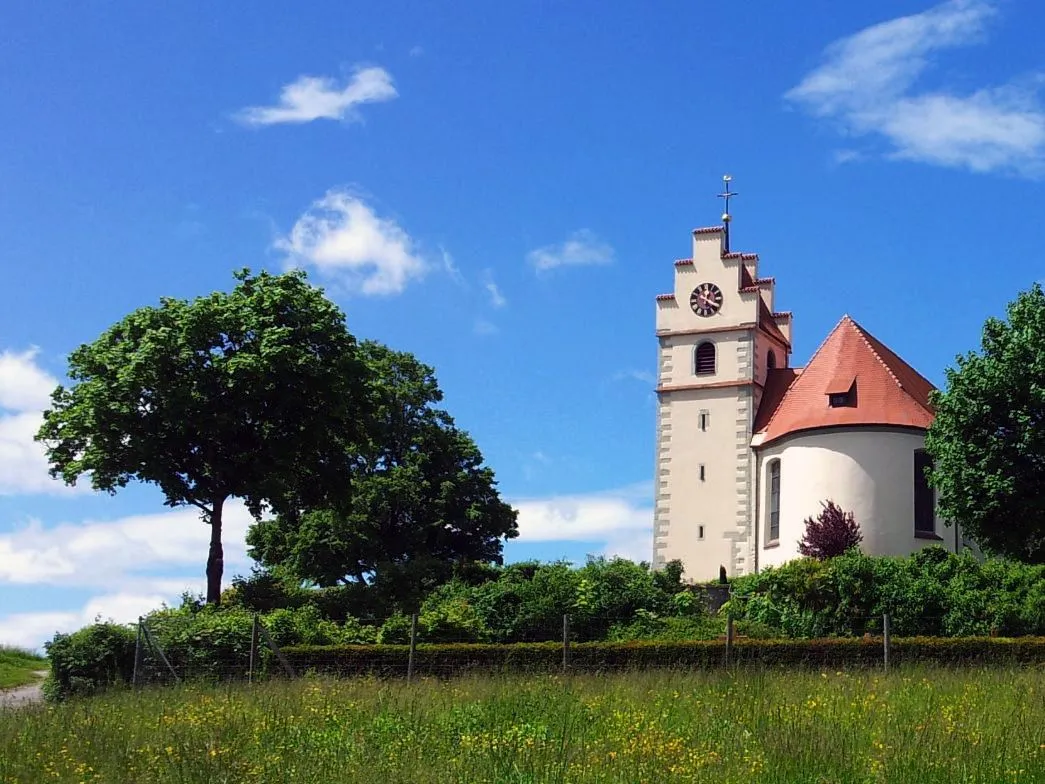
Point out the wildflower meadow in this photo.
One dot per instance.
(911, 725)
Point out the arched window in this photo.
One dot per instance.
(770, 359)
(774, 501)
(704, 359)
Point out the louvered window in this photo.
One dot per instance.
(704, 359)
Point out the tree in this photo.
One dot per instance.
(252, 394)
(987, 440)
(830, 534)
(422, 503)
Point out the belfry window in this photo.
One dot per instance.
(704, 359)
(924, 513)
(770, 360)
(774, 501)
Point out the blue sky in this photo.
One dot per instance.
(500, 190)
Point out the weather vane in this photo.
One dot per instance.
(726, 195)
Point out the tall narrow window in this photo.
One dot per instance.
(923, 495)
(774, 501)
(701, 472)
(700, 532)
(703, 420)
(704, 359)
(770, 359)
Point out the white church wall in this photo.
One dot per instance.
(868, 471)
(686, 502)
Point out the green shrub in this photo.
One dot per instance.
(89, 660)
(456, 659)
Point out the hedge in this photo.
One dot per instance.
(452, 659)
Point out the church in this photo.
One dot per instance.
(749, 445)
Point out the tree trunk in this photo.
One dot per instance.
(216, 556)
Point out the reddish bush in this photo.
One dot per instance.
(830, 533)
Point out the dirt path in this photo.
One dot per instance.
(24, 695)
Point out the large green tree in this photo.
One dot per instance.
(987, 441)
(422, 502)
(251, 394)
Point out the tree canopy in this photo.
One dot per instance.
(987, 441)
(830, 534)
(421, 502)
(253, 394)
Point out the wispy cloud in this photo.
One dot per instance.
(485, 327)
(343, 238)
(497, 298)
(581, 248)
(451, 268)
(867, 84)
(645, 376)
(310, 98)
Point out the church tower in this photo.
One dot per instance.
(717, 335)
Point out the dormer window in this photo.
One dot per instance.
(841, 392)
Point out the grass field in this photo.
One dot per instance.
(916, 726)
(18, 667)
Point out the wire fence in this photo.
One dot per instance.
(562, 647)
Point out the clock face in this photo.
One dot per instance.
(706, 299)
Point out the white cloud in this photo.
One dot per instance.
(497, 298)
(152, 551)
(609, 515)
(311, 98)
(867, 84)
(621, 520)
(342, 237)
(24, 386)
(30, 630)
(582, 247)
(25, 390)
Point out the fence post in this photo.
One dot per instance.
(158, 650)
(253, 648)
(413, 648)
(729, 638)
(275, 649)
(887, 639)
(565, 642)
(137, 654)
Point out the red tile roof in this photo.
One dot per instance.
(662, 297)
(683, 262)
(778, 380)
(707, 230)
(888, 391)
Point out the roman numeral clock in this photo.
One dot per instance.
(706, 299)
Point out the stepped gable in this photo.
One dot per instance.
(881, 388)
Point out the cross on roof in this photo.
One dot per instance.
(726, 194)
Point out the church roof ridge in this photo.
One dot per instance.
(708, 229)
(889, 391)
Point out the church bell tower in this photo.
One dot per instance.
(717, 335)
